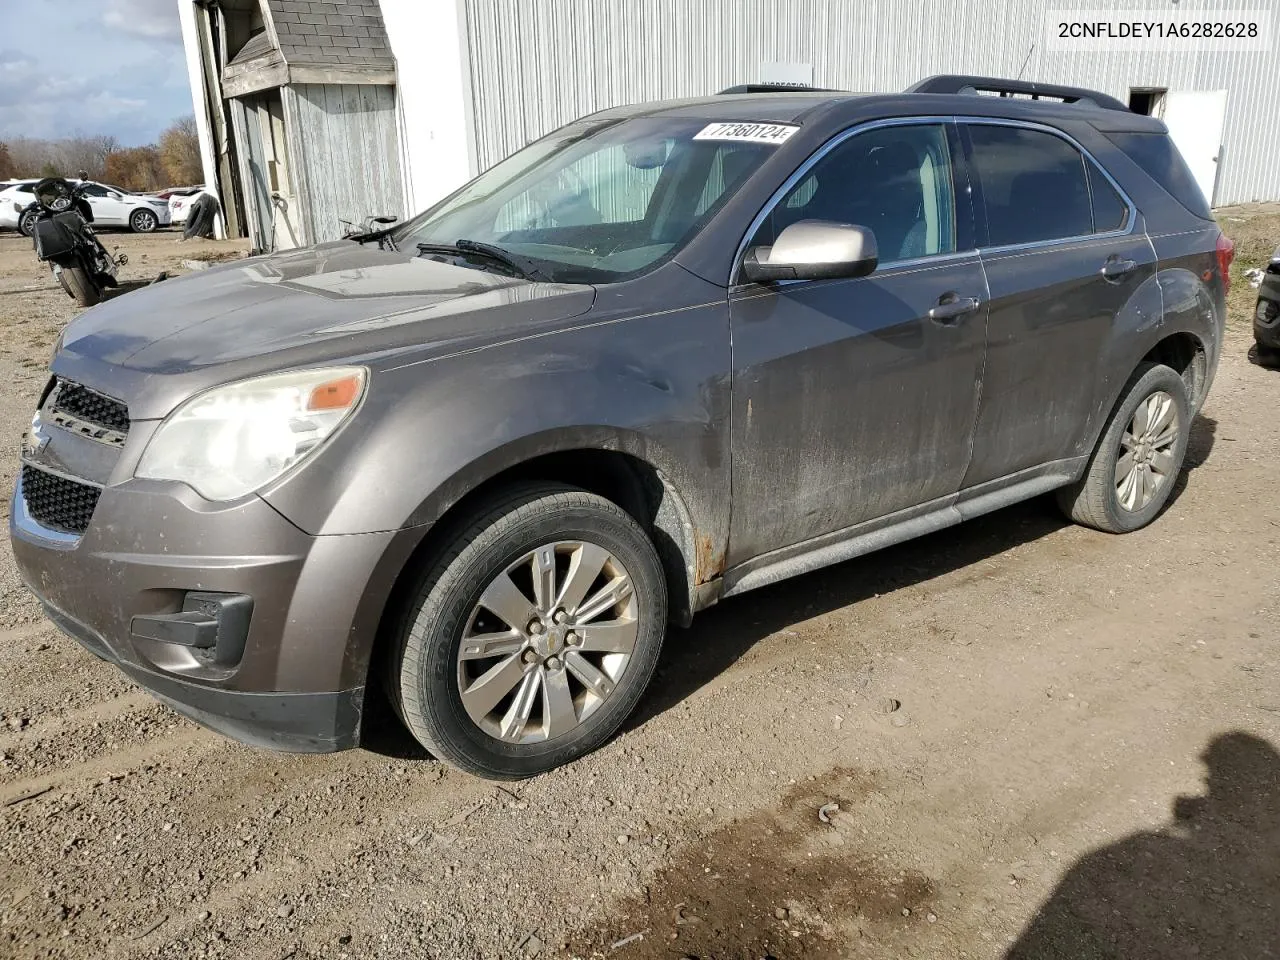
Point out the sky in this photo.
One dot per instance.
(91, 66)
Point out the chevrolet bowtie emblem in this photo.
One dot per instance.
(35, 439)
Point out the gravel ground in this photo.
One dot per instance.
(1013, 737)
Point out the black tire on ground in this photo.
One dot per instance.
(143, 221)
(1266, 356)
(78, 284)
(1093, 500)
(422, 670)
(27, 222)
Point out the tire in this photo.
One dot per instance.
(79, 286)
(427, 677)
(143, 221)
(27, 223)
(1098, 499)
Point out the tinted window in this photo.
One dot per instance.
(894, 180)
(1109, 208)
(1156, 154)
(93, 190)
(1033, 183)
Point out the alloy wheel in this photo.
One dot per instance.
(1146, 461)
(547, 642)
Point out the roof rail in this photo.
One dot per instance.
(777, 88)
(958, 83)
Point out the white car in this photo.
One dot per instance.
(180, 204)
(15, 196)
(113, 207)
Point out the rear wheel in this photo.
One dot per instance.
(1139, 456)
(79, 285)
(532, 638)
(143, 221)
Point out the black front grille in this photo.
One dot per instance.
(57, 502)
(85, 404)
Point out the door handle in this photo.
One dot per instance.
(1115, 269)
(951, 308)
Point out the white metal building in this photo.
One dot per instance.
(314, 112)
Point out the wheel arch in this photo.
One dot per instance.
(1183, 350)
(604, 462)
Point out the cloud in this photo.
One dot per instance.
(151, 19)
(35, 102)
(118, 68)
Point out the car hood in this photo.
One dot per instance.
(339, 301)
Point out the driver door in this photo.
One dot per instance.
(851, 402)
(109, 208)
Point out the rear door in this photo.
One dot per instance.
(1064, 251)
(850, 402)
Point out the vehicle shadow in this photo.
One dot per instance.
(1207, 884)
(1204, 431)
(128, 286)
(722, 635)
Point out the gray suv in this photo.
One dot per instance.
(662, 356)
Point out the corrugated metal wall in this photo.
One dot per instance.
(346, 155)
(536, 64)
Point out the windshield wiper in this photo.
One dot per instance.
(522, 266)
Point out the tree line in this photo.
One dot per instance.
(173, 161)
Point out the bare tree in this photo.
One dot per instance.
(87, 154)
(7, 169)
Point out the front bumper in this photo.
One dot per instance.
(296, 680)
(1266, 317)
(290, 722)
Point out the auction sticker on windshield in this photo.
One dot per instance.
(747, 132)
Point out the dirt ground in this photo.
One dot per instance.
(1013, 738)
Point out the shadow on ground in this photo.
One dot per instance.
(1267, 359)
(128, 286)
(1207, 884)
(723, 634)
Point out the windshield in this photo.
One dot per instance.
(595, 201)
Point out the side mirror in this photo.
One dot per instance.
(814, 250)
(114, 196)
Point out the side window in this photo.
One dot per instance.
(1033, 183)
(895, 180)
(93, 190)
(1109, 209)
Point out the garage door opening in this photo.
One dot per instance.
(1147, 100)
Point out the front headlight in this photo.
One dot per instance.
(238, 438)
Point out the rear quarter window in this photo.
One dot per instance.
(1156, 154)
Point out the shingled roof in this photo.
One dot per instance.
(345, 32)
(320, 41)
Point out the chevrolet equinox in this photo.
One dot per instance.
(664, 355)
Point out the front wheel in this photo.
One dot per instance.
(1139, 456)
(79, 285)
(143, 221)
(531, 640)
(27, 222)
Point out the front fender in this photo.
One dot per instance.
(655, 387)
